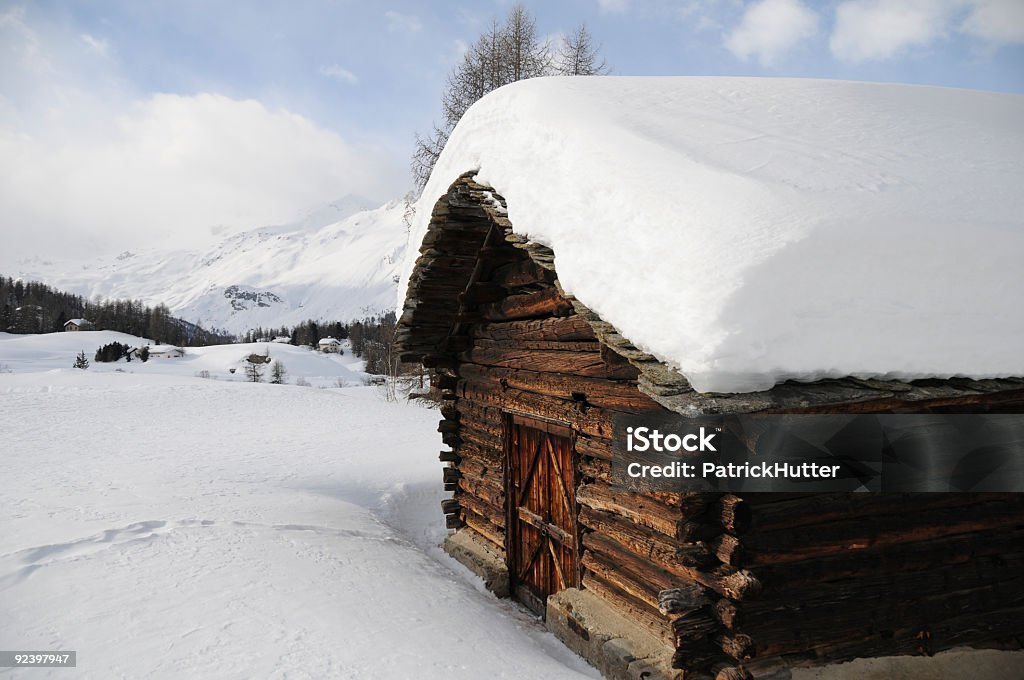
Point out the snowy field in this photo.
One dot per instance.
(168, 526)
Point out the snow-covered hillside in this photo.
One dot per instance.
(31, 353)
(166, 526)
(320, 267)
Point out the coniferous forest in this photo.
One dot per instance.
(33, 307)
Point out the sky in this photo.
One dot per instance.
(126, 123)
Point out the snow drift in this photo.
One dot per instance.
(749, 231)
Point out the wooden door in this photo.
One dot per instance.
(543, 540)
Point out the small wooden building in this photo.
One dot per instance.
(72, 325)
(692, 585)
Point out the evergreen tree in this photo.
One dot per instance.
(81, 362)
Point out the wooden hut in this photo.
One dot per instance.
(691, 585)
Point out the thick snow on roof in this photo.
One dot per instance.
(748, 230)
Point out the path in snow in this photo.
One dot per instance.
(168, 526)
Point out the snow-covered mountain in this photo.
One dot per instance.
(333, 264)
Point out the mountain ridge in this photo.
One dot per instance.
(335, 263)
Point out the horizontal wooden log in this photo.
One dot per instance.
(448, 457)
(540, 361)
(767, 547)
(595, 447)
(454, 521)
(613, 395)
(632, 608)
(546, 302)
(585, 346)
(485, 455)
(483, 526)
(490, 493)
(451, 474)
(645, 542)
(911, 557)
(449, 506)
(641, 509)
(876, 611)
(568, 329)
(968, 630)
(788, 511)
(693, 627)
(480, 439)
(593, 421)
(481, 508)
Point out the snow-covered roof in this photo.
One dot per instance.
(747, 231)
(78, 322)
(328, 341)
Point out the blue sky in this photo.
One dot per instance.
(182, 120)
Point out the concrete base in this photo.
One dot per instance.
(613, 644)
(976, 664)
(480, 558)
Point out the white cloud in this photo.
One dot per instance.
(867, 30)
(770, 28)
(97, 45)
(613, 6)
(339, 73)
(89, 165)
(176, 166)
(998, 21)
(398, 22)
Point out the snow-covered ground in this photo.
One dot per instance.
(19, 353)
(167, 526)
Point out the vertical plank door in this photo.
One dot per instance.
(544, 554)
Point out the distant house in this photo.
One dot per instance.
(329, 345)
(165, 352)
(78, 325)
(282, 340)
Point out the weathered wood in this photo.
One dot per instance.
(612, 395)
(483, 526)
(645, 542)
(481, 508)
(857, 534)
(727, 549)
(637, 610)
(448, 457)
(641, 509)
(682, 599)
(593, 421)
(522, 273)
(788, 511)
(577, 362)
(449, 506)
(569, 329)
(725, 672)
(543, 303)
